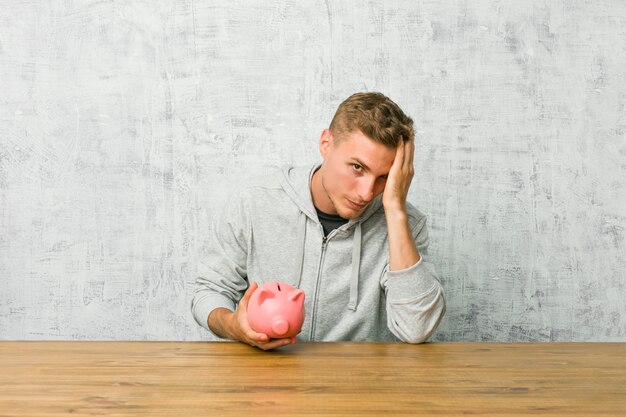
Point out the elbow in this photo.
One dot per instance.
(417, 340)
(420, 337)
(418, 326)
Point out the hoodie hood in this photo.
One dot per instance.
(296, 182)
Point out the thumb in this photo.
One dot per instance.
(249, 291)
(245, 325)
(243, 303)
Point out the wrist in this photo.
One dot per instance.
(395, 212)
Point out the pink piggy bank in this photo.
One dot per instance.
(276, 309)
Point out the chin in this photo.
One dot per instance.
(350, 214)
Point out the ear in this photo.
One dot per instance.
(265, 294)
(326, 142)
(297, 296)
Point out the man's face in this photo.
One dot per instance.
(354, 172)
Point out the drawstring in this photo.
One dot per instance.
(300, 254)
(356, 263)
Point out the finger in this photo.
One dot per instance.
(274, 344)
(246, 334)
(399, 159)
(409, 150)
(253, 335)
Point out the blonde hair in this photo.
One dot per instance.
(376, 116)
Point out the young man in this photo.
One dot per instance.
(341, 231)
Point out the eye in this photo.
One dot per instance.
(357, 167)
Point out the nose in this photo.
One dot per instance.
(366, 189)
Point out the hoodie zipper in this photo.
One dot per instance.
(317, 286)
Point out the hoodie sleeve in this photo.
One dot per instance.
(222, 276)
(415, 301)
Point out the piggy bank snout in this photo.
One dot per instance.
(280, 326)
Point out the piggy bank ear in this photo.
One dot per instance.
(297, 296)
(265, 294)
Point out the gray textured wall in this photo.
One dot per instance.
(124, 124)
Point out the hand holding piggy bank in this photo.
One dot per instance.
(277, 309)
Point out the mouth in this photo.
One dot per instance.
(356, 206)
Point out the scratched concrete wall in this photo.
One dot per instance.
(124, 124)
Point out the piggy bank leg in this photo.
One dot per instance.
(293, 340)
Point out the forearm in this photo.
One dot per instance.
(403, 252)
(219, 322)
(415, 302)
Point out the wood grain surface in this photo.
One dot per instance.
(316, 379)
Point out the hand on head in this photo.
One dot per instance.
(400, 177)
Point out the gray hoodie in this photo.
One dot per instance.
(269, 231)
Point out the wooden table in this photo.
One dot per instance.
(323, 379)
